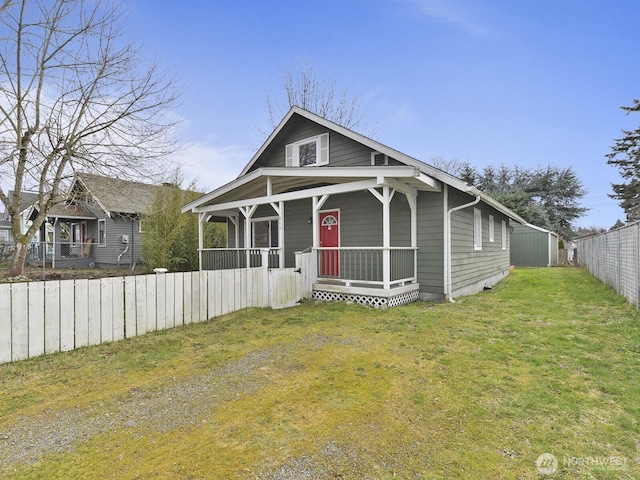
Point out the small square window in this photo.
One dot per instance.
(308, 152)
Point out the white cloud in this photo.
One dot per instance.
(456, 12)
(211, 166)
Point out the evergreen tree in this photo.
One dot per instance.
(625, 155)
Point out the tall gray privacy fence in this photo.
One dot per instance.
(614, 258)
(37, 318)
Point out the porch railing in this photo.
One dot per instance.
(366, 265)
(232, 258)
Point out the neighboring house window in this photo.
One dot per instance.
(5, 235)
(477, 229)
(102, 231)
(76, 236)
(491, 229)
(308, 152)
(265, 233)
(504, 235)
(140, 228)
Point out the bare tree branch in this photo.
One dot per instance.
(74, 96)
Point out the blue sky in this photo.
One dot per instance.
(526, 82)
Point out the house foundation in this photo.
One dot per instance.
(366, 295)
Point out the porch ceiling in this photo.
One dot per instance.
(257, 184)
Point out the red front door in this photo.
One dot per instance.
(330, 238)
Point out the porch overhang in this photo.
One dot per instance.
(271, 185)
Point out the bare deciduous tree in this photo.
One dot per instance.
(74, 96)
(306, 88)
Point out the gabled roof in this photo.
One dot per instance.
(117, 196)
(27, 199)
(428, 172)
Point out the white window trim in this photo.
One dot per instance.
(104, 222)
(504, 235)
(477, 229)
(253, 232)
(140, 229)
(292, 151)
(491, 229)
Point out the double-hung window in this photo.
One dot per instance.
(491, 229)
(312, 151)
(102, 231)
(477, 229)
(504, 235)
(265, 233)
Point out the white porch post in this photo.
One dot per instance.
(248, 214)
(386, 238)
(413, 205)
(279, 209)
(281, 234)
(201, 219)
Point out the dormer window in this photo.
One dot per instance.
(309, 152)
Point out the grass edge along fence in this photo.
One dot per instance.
(39, 318)
(613, 258)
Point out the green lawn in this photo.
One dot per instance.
(546, 362)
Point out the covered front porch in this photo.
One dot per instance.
(353, 250)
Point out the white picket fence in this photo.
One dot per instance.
(38, 318)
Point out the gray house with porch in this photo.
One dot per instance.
(382, 227)
(100, 223)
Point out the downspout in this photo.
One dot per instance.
(448, 266)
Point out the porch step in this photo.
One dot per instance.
(374, 297)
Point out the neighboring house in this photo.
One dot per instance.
(384, 227)
(533, 246)
(100, 223)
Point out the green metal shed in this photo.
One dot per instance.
(533, 246)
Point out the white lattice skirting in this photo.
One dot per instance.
(371, 300)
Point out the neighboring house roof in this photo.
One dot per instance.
(540, 229)
(117, 196)
(423, 173)
(71, 210)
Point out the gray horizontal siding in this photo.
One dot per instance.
(343, 152)
(431, 242)
(470, 266)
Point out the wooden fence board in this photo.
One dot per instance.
(106, 309)
(52, 317)
(130, 311)
(202, 277)
(82, 313)
(186, 298)
(161, 304)
(141, 304)
(67, 315)
(117, 308)
(20, 326)
(94, 312)
(5, 322)
(225, 286)
(170, 300)
(195, 297)
(178, 304)
(152, 324)
(36, 319)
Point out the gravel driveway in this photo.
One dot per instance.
(185, 403)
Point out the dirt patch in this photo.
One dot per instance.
(38, 274)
